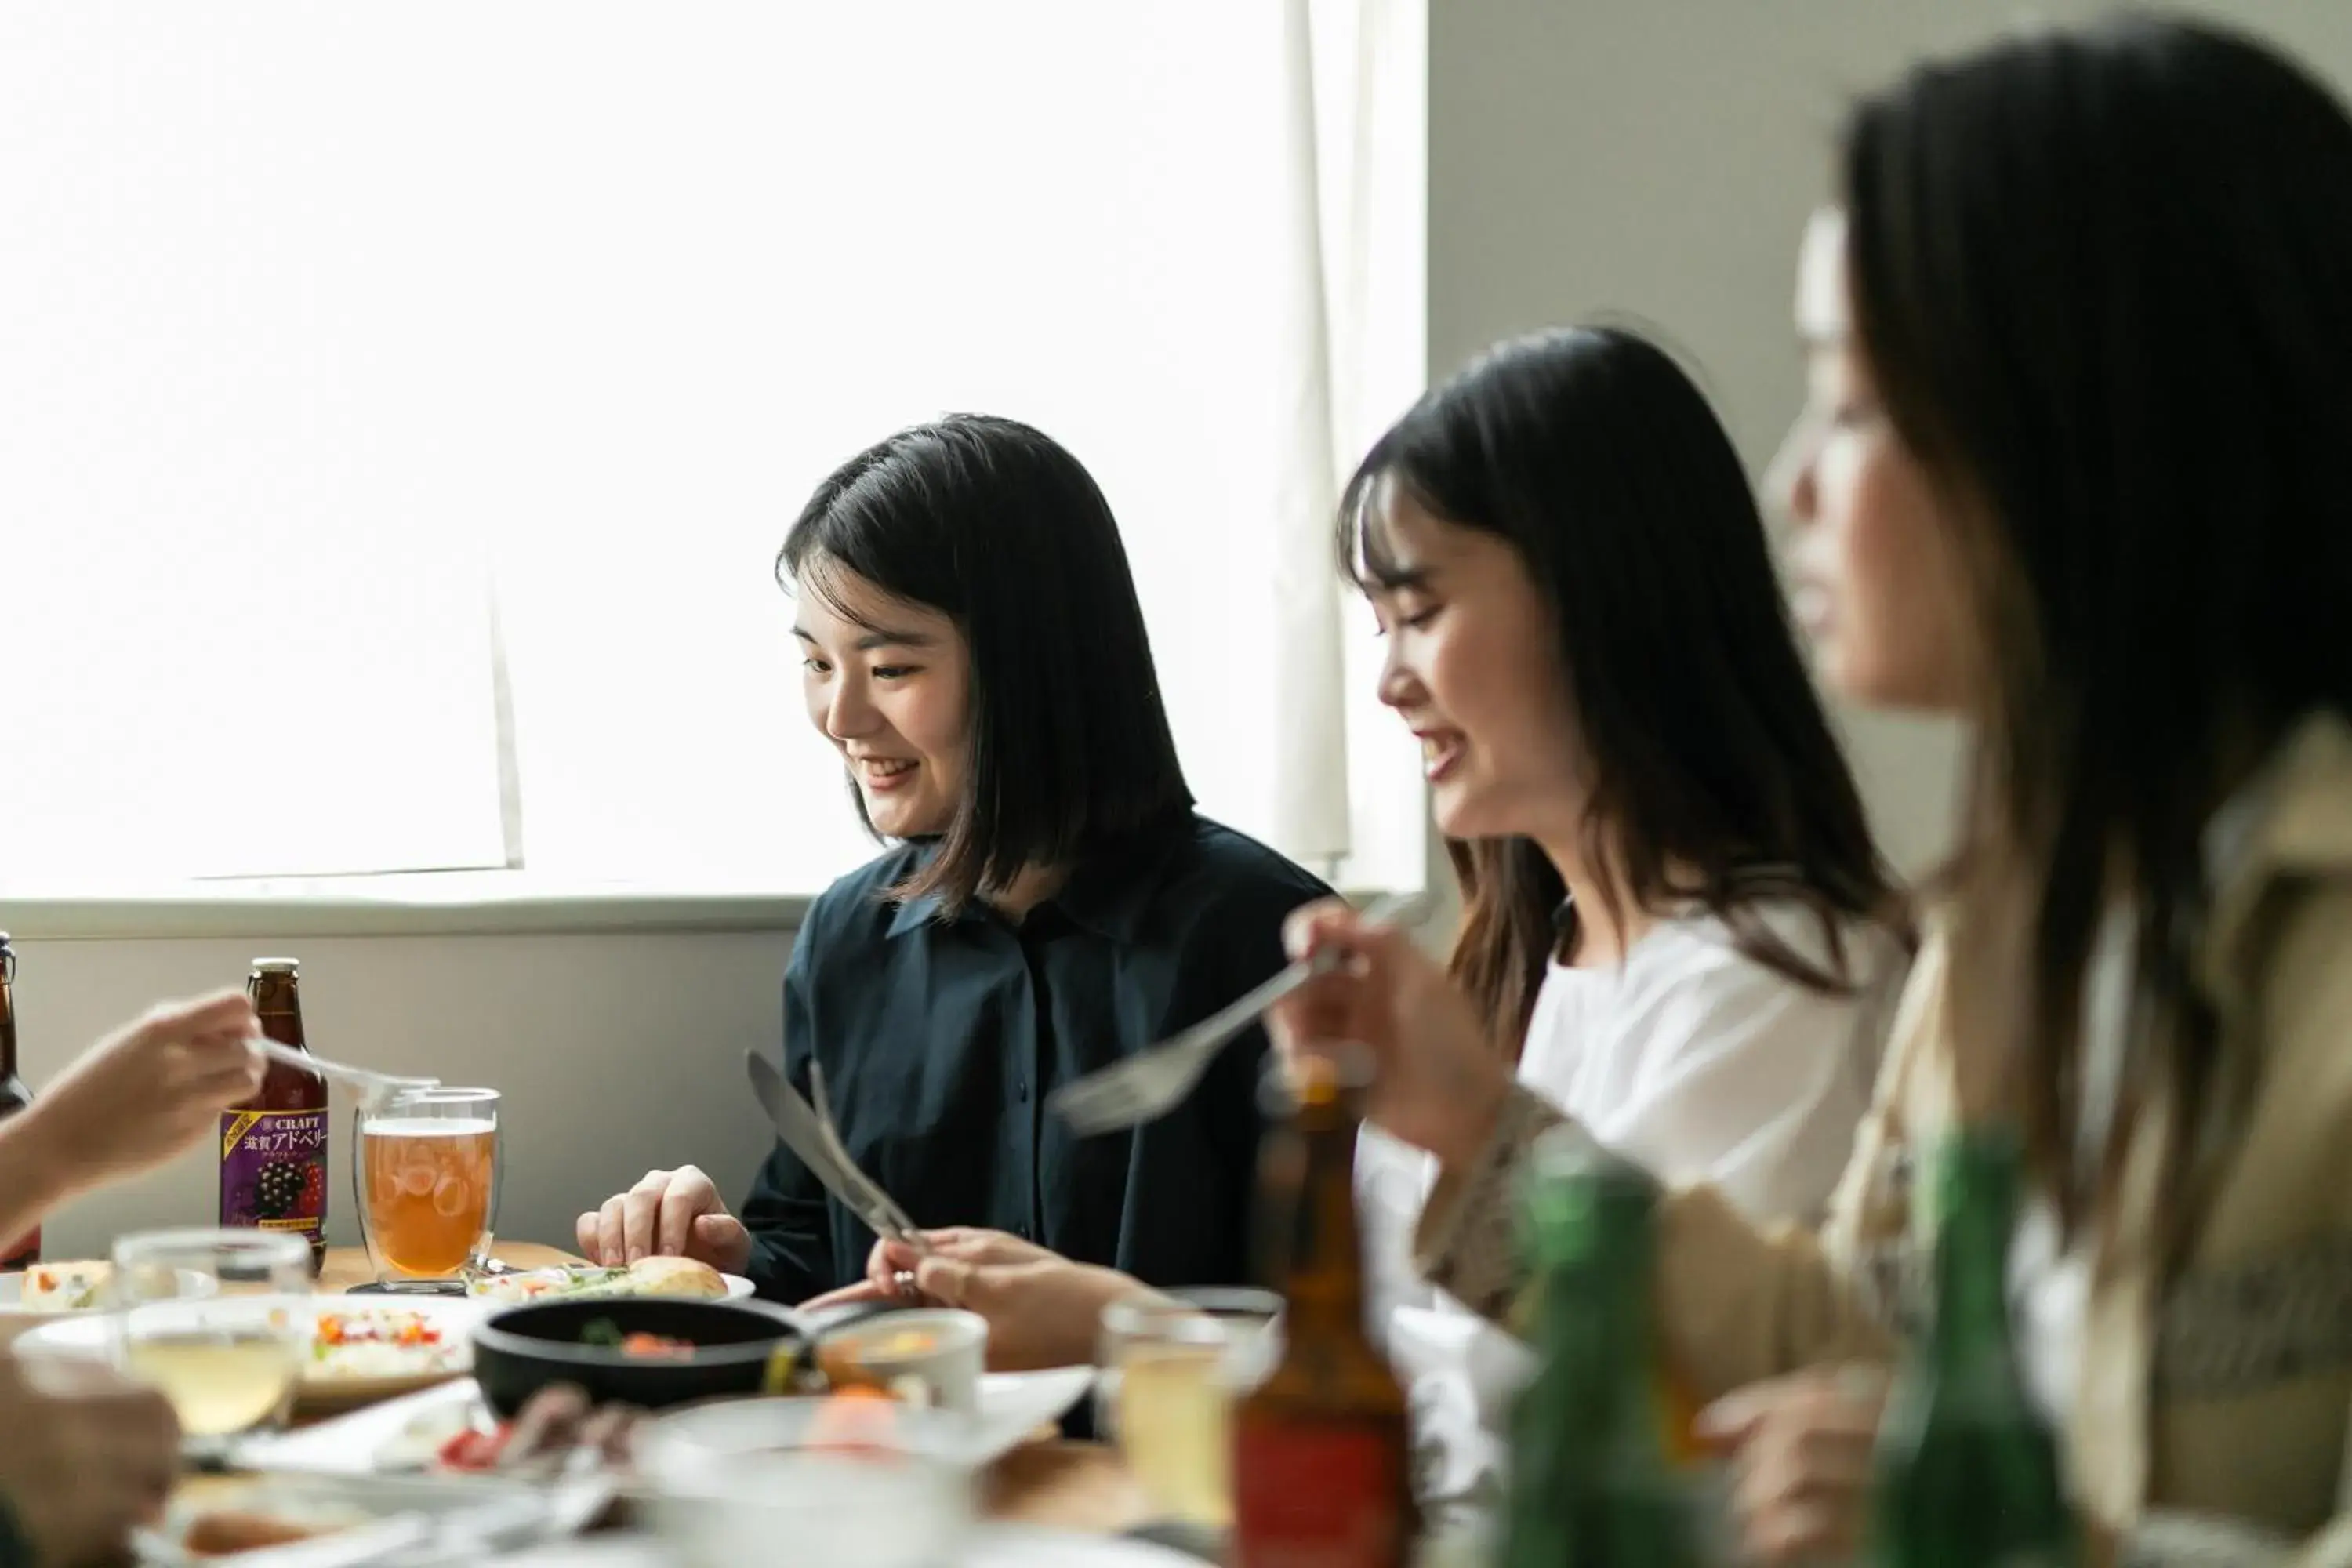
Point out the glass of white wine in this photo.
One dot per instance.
(1172, 1366)
(227, 1362)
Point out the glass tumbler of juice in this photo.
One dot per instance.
(214, 1320)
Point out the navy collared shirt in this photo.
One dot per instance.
(942, 1037)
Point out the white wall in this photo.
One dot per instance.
(613, 1053)
(1591, 156)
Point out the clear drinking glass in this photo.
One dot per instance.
(228, 1362)
(425, 1167)
(1172, 1366)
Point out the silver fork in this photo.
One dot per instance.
(375, 1088)
(1155, 1081)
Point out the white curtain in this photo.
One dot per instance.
(1353, 161)
(1356, 141)
(1309, 667)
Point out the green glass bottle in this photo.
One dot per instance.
(1966, 1471)
(1595, 1479)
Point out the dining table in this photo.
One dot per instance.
(1047, 1481)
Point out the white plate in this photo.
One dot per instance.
(1026, 1546)
(349, 1444)
(1011, 1406)
(737, 1285)
(11, 1294)
(16, 1319)
(988, 1546)
(381, 1510)
(92, 1333)
(1014, 1405)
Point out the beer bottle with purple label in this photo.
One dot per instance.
(273, 1169)
(16, 1252)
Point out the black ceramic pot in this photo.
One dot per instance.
(523, 1349)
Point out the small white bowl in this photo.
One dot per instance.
(905, 1501)
(948, 1364)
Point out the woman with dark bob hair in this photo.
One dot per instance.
(2077, 468)
(1049, 901)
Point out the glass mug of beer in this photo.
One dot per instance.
(427, 1169)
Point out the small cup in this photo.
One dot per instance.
(1172, 1366)
(727, 1479)
(938, 1351)
(227, 1362)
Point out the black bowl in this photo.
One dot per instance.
(521, 1351)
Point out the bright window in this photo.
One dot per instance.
(343, 347)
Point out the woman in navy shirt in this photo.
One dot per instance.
(1050, 903)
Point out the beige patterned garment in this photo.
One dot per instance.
(2211, 1408)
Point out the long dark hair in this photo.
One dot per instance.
(2104, 281)
(1704, 743)
(996, 526)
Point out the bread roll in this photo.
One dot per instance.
(676, 1276)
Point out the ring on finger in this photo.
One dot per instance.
(903, 1281)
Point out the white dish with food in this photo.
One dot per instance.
(49, 1289)
(310, 1521)
(927, 1356)
(348, 1350)
(1030, 1546)
(647, 1276)
(409, 1434)
(393, 1436)
(986, 1545)
(1011, 1407)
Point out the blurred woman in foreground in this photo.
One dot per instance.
(2077, 466)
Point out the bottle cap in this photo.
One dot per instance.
(1572, 1187)
(276, 966)
(1317, 1081)
(1312, 1077)
(1570, 1151)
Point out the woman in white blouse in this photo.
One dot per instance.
(1676, 918)
(1677, 922)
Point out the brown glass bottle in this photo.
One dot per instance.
(13, 1095)
(1320, 1472)
(273, 1170)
